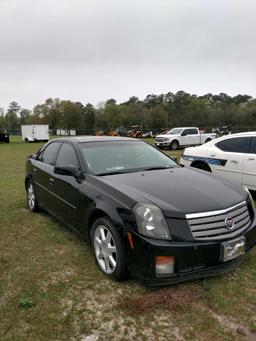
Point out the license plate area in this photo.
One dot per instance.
(232, 249)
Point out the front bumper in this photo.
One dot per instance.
(162, 144)
(192, 259)
(185, 163)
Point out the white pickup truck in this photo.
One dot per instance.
(180, 137)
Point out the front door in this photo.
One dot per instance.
(249, 171)
(65, 189)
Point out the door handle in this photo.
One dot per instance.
(251, 159)
(212, 155)
(51, 181)
(233, 161)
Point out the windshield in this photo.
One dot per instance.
(174, 131)
(123, 157)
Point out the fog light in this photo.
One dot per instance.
(164, 265)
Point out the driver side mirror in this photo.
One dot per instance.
(66, 170)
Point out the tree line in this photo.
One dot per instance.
(154, 112)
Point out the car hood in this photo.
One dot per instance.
(178, 191)
(168, 135)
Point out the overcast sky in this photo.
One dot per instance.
(93, 50)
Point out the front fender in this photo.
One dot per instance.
(120, 215)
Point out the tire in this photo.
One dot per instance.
(31, 197)
(207, 140)
(108, 249)
(174, 145)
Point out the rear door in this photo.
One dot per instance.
(230, 153)
(42, 169)
(249, 172)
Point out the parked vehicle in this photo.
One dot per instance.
(4, 136)
(147, 135)
(221, 131)
(231, 157)
(120, 131)
(180, 137)
(140, 211)
(134, 131)
(35, 133)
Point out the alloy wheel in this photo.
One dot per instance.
(105, 249)
(31, 197)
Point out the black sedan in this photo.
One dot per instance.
(141, 212)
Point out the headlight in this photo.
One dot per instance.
(151, 221)
(166, 139)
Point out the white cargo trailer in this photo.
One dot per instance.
(35, 132)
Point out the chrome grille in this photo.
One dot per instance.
(212, 226)
(159, 139)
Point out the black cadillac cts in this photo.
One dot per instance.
(140, 211)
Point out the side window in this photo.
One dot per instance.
(49, 153)
(67, 156)
(185, 132)
(253, 145)
(193, 132)
(234, 145)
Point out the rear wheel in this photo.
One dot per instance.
(207, 140)
(108, 249)
(31, 197)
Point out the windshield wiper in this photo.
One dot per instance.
(156, 168)
(117, 172)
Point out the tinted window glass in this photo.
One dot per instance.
(193, 131)
(253, 145)
(185, 132)
(67, 156)
(234, 145)
(49, 153)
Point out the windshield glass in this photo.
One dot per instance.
(123, 157)
(174, 131)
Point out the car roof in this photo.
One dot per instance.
(248, 133)
(81, 139)
(184, 128)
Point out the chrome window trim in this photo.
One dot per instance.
(212, 213)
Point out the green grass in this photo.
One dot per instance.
(51, 289)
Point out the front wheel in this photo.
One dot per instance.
(174, 145)
(108, 249)
(31, 197)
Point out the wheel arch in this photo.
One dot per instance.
(201, 165)
(27, 179)
(100, 211)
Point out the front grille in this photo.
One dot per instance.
(159, 139)
(212, 226)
